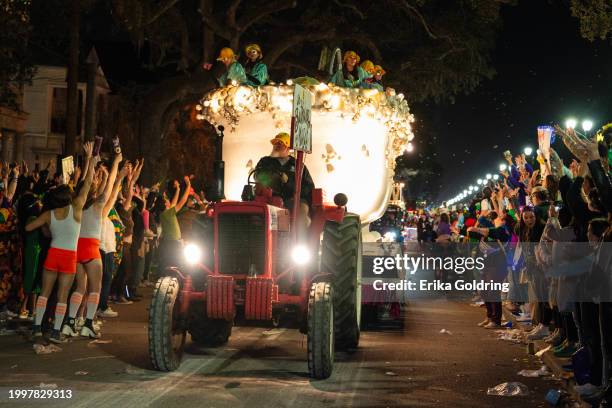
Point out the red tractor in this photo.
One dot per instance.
(247, 265)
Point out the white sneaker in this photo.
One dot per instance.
(484, 322)
(524, 317)
(540, 332)
(107, 313)
(533, 329)
(88, 332)
(69, 331)
(492, 325)
(586, 389)
(80, 321)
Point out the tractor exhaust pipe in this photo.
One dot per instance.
(219, 168)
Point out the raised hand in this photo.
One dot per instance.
(88, 149)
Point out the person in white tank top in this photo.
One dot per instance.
(64, 222)
(89, 260)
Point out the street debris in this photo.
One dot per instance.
(444, 331)
(391, 373)
(513, 335)
(553, 397)
(81, 373)
(7, 332)
(15, 366)
(42, 349)
(134, 370)
(47, 386)
(98, 341)
(541, 352)
(271, 332)
(541, 372)
(509, 389)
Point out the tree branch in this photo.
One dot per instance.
(352, 8)
(290, 41)
(162, 9)
(231, 13)
(366, 41)
(257, 13)
(216, 27)
(415, 12)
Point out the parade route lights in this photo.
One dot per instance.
(528, 150)
(571, 123)
(465, 192)
(489, 176)
(409, 147)
(503, 167)
(587, 125)
(496, 177)
(479, 181)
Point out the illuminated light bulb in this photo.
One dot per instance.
(409, 147)
(496, 177)
(206, 103)
(200, 117)
(488, 176)
(465, 192)
(322, 87)
(289, 82)
(234, 83)
(198, 107)
(587, 125)
(528, 150)
(571, 123)
(503, 167)
(479, 181)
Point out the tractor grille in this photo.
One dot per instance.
(242, 243)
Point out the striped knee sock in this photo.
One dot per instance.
(75, 303)
(60, 312)
(92, 305)
(41, 306)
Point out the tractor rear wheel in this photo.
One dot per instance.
(341, 257)
(208, 332)
(320, 330)
(166, 331)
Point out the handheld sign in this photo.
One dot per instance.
(67, 168)
(301, 126)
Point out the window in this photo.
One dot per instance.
(58, 111)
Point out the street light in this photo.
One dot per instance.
(528, 150)
(503, 167)
(479, 181)
(571, 123)
(587, 125)
(496, 177)
(489, 176)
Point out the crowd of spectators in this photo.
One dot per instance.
(136, 235)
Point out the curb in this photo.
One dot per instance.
(554, 364)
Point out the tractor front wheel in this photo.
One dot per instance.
(341, 257)
(166, 331)
(320, 330)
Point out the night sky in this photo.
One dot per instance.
(545, 73)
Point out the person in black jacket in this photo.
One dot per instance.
(277, 171)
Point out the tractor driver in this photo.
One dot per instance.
(277, 171)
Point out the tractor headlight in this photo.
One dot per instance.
(300, 255)
(192, 254)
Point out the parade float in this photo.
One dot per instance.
(357, 134)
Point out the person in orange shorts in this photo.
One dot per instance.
(64, 221)
(89, 260)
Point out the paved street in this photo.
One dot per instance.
(416, 366)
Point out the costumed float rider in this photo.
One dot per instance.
(256, 71)
(233, 70)
(351, 75)
(377, 80)
(277, 171)
(368, 67)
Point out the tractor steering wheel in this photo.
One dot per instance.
(253, 182)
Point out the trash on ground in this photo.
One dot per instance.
(15, 366)
(134, 370)
(541, 372)
(444, 331)
(509, 389)
(98, 341)
(47, 386)
(271, 332)
(513, 335)
(7, 332)
(554, 396)
(391, 373)
(81, 373)
(477, 304)
(42, 349)
(541, 352)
